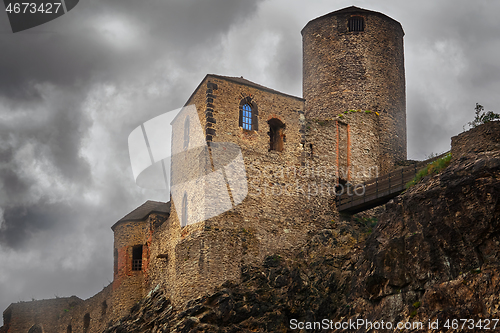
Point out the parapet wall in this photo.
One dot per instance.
(70, 314)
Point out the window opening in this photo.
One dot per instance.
(86, 322)
(104, 308)
(356, 24)
(276, 135)
(247, 117)
(115, 262)
(137, 258)
(69, 329)
(186, 134)
(184, 211)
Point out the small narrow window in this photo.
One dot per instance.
(184, 211)
(86, 322)
(186, 134)
(137, 258)
(104, 308)
(247, 117)
(356, 23)
(115, 262)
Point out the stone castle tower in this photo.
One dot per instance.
(253, 170)
(353, 60)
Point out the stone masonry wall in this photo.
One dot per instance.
(197, 258)
(361, 70)
(128, 284)
(45, 313)
(345, 147)
(61, 314)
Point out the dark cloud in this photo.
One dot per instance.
(79, 50)
(21, 223)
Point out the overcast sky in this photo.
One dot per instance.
(72, 90)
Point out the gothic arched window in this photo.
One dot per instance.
(248, 115)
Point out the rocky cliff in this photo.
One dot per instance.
(433, 258)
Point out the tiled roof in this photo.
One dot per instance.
(141, 212)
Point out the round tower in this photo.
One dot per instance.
(353, 60)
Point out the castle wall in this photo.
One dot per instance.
(344, 148)
(23, 315)
(96, 312)
(271, 218)
(360, 70)
(61, 314)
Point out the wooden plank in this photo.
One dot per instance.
(381, 189)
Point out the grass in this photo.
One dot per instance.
(432, 168)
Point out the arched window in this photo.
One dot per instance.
(276, 135)
(356, 23)
(186, 134)
(184, 211)
(248, 119)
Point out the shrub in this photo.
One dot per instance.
(482, 117)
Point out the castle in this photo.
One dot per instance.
(295, 152)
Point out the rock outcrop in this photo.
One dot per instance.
(435, 253)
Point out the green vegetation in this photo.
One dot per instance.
(416, 305)
(431, 168)
(482, 117)
(368, 221)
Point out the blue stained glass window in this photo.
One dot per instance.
(247, 117)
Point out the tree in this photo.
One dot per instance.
(483, 117)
